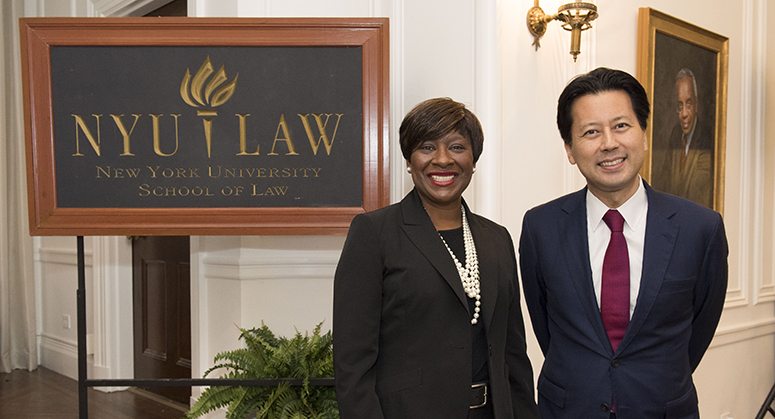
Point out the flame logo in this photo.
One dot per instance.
(212, 97)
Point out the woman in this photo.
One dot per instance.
(427, 318)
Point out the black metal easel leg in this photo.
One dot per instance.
(83, 402)
(84, 383)
(767, 405)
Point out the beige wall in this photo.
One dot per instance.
(478, 52)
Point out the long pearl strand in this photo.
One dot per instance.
(469, 275)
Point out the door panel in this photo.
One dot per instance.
(162, 313)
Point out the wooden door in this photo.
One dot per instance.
(161, 275)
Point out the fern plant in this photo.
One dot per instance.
(268, 357)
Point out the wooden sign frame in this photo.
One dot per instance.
(39, 35)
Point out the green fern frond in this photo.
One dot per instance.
(269, 409)
(328, 406)
(268, 356)
(213, 398)
(250, 400)
(243, 359)
(292, 406)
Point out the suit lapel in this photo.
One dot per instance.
(661, 234)
(420, 230)
(573, 234)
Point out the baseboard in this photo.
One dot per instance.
(59, 356)
(62, 357)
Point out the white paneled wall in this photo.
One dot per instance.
(478, 52)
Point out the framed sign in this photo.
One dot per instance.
(204, 126)
(684, 70)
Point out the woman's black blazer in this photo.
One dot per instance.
(402, 327)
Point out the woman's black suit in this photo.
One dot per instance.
(402, 327)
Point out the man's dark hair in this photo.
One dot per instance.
(596, 81)
(435, 118)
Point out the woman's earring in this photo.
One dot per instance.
(408, 169)
(474, 170)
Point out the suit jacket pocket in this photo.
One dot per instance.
(551, 392)
(398, 382)
(671, 285)
(684, 407)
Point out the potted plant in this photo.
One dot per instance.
(268, 357)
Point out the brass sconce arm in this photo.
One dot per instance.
(575, 17)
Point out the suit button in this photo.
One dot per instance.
(615, 363)
(604, 407)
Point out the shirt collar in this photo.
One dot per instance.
(633, 211)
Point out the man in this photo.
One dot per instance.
(687, 163)
(622, 325)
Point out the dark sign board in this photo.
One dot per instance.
(204, 126)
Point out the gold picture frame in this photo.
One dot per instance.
(667, 48)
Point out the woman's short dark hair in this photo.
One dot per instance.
(596, 81)
(435, 118)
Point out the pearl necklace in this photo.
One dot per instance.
(469, 275)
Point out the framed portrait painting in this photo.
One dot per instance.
(684, 71)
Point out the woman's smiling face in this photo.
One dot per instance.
(442, 169)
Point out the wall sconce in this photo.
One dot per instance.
(575, 17)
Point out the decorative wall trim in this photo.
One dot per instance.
(105, 307)
(398, 180)
(764, 287)
(124, 8)
(737, 291)
(233, 268)
(744, 332)
(59, 355)
(111, 291)
(61, 256)
(735, 298)
(487, 82)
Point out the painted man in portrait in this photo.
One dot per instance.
(686, 167)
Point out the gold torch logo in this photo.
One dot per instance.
(214, 94)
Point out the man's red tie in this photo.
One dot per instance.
(615, 288)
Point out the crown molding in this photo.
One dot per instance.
(127, 8)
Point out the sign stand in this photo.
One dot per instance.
(83, 402)
(356, 51)
(84, 382)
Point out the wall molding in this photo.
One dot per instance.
(125, 8)
(59, 355)
(751, 155)
(743, 332)
(111, 291)
(109, 343)
(764, 287)
(284, 267)
(487, 85)
(62, 256)
(397, 99)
